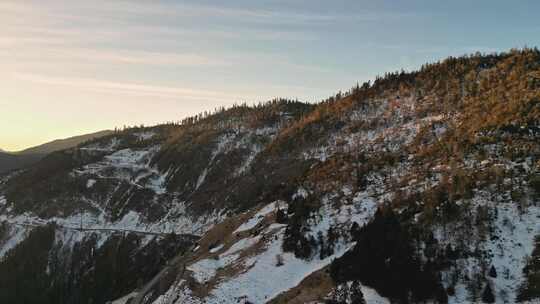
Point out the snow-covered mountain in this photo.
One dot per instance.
(422, 186)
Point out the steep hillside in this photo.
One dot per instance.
(421, 186)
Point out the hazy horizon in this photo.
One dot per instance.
(72, 68)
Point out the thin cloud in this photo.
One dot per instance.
(134, 57)
(148, 58)
(186, 10)
(247, 15)
(100, 11)
(131, 89)
(151, 33)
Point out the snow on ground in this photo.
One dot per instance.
(372, 296)
(205, 270)
(110, 146)
(360, 211)
(15, 235)
(178, 220)
(223, 145)
(90, 183)
(146, 135)
(250, 224)
(259, 216)
(127, 158)
(241, 245)
(509, 246)
(259, 278)
(515, 244)
(201, 178)
(68, 238)
(400, 129)
(249, 141)
(242, 138)
(129, 165)
(65, 237)
(263, 280)
(124, 299)
(216, 249)
(178, 294)
(301, 192)
(255, 150)
(266, 131)
(179, 223)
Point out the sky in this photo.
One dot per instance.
(71, 67)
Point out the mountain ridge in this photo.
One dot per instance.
(63, 143)
(13, 160)
(429, 180)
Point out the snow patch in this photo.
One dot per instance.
(216, 249)
(132, 166)
(259, 216)
(512, 241)
(109, 146)
(372, 296)
(301, 192)
(124, 299)
(16, 234)
(146, 135)
(241, 245)
(90, 183)
(263, 280)
(206, 269)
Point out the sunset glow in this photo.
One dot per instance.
(73, 67)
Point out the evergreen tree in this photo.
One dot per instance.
(487, 295)
(492, 272)
(384, 258)
(357, 297)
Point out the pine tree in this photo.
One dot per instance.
(492, 272)
(487, 295)
(357, 297)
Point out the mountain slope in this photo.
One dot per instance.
(422, 186)
(9, 161)
(18, 160)
(62, 144)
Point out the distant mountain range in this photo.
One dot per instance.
(16, 160)
(62, 144)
